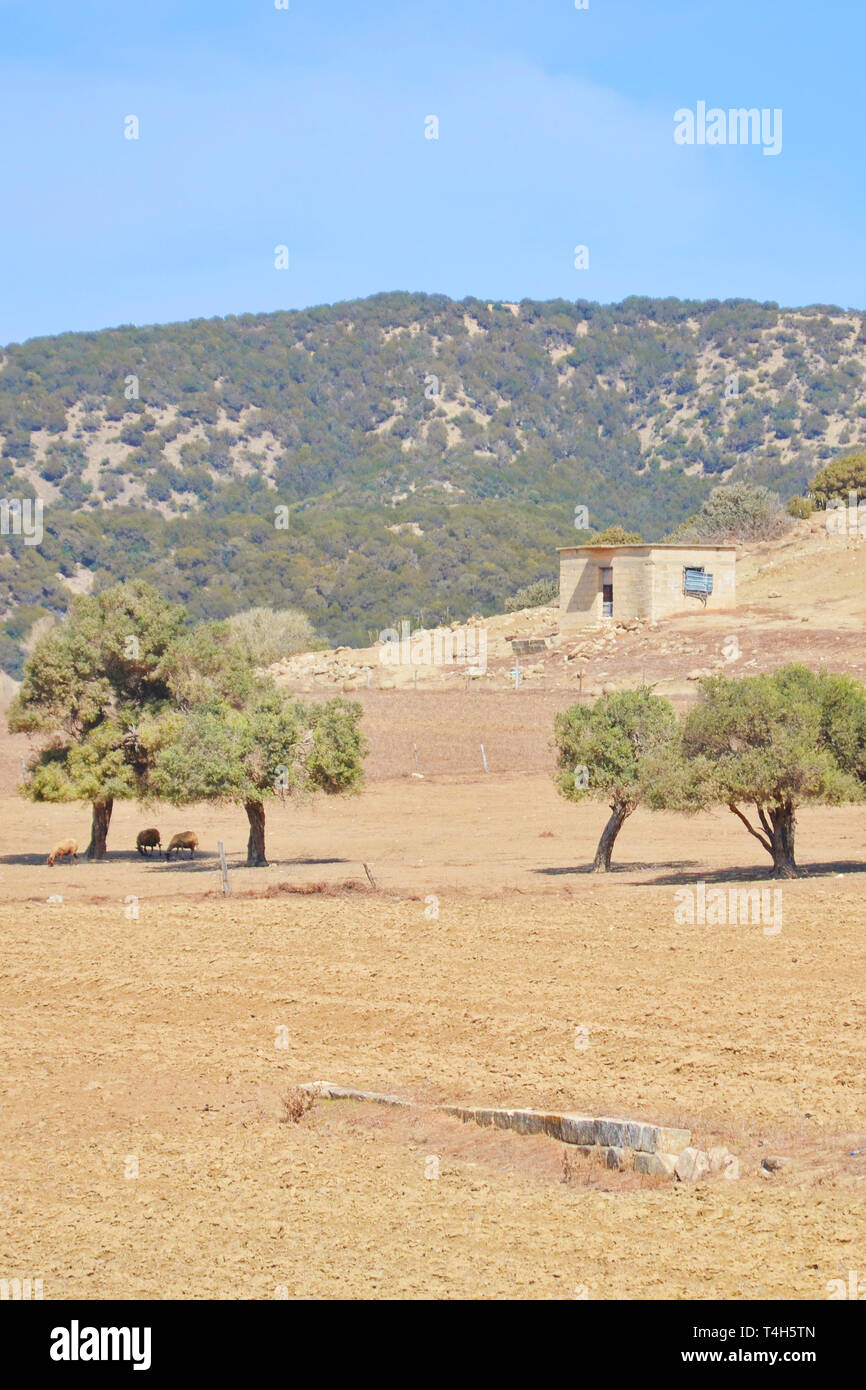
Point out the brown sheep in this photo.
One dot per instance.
(148, 840)
(187, 839)
(67, 849)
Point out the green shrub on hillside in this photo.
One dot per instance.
(843, 475)
(800, 507)
(268, 635)
(736, 512)
(616, 535)
(537, 595)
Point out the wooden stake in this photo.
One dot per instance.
(224, 868)
(484, 759)
(373, 883)
(415, 754)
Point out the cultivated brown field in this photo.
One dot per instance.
(142, 1012)
(152, 1039)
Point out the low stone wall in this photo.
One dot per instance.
(325, 1091)
(656, 1150)
(651, 1149)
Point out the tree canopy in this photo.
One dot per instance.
(268, 635)
(616, 535)
(839, 478)
(132, 702)
(87, 686)
(271, 747)
(777, 742)
(623, 750)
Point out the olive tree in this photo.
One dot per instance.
(622, 750)
(774, 743)
(269, 746)
(86, 687)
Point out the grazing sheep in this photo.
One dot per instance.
(187, 839)
(67, 849)
(148, 840)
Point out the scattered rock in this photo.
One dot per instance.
(774, 1163)
(692, 1165)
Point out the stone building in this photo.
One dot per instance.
(642, 581)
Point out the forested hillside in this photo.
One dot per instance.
(430, 453)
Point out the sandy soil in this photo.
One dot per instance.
(152, 1039)
(152, 1028)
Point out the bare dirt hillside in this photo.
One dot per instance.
(802, 598)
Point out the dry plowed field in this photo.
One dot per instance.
(152, 1028)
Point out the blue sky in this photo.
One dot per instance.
(262, 127)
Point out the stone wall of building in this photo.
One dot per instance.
(647, 582)
(666, 579)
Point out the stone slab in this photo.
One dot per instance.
(656, 1165)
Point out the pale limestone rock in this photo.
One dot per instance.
(610, 1132)
(669, 1141)
(692, 1165)
(656, 1165)
(528, 1122)
(578, 1129)
(616, 1157)
(774, 1163)
(551, 1124)
(485, 1117)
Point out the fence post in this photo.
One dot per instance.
(224, 868)
(484, 759)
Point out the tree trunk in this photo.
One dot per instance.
(779, 824)
(601, 863)
(256, 843)
(784, 822)
(99, 828)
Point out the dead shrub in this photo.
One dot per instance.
(296, 1103)
(328, 890)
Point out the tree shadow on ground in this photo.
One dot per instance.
(204, 859)
(238, 861)
(114, 856)
(684, 871)
(337, 860)
(621, 868)
(757, 871)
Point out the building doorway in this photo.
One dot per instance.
(607, 593)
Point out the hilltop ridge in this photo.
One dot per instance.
(399, 456)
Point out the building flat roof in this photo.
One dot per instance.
(649, 545)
